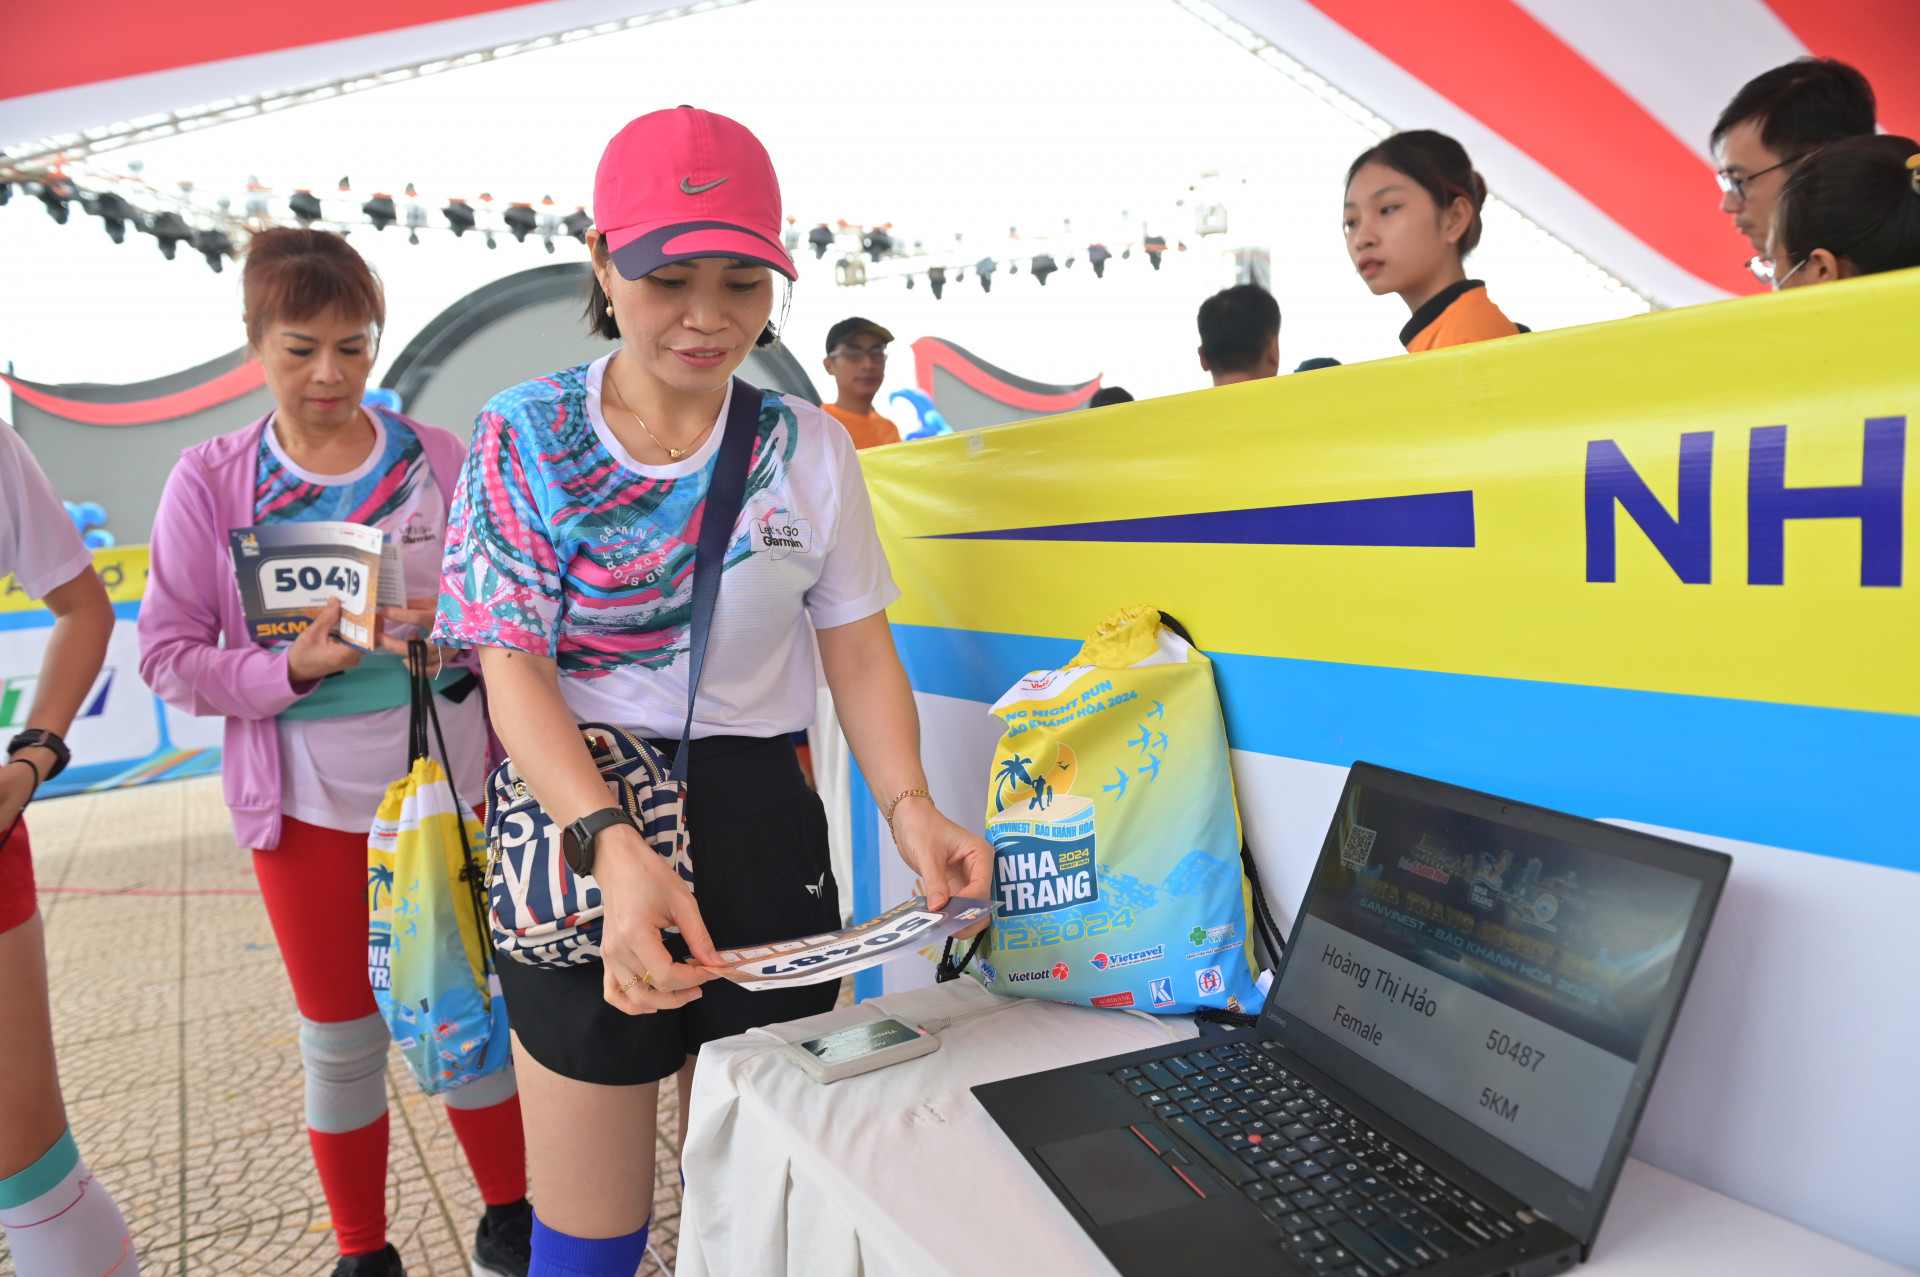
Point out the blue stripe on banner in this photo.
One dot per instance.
(1421, 519)
(1831, 781)
(866, 871)
(38, 618)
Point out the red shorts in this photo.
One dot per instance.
(17, 897)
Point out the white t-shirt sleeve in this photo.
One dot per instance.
(39, 545)
(855, 581)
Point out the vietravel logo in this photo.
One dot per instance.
(1103, 961)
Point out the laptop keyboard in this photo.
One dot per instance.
(1347, 1199)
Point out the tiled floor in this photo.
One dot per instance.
(180, 1060)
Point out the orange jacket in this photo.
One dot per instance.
(1454, 316)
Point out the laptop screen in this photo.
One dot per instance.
(1509, 976)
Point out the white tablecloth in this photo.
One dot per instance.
(901, 1173)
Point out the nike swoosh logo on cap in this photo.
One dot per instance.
(688, 188)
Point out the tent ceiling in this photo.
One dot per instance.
(1592, 119)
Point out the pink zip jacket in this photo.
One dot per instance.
(195, 651)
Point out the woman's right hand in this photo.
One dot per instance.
(642, 895)
(317, 652)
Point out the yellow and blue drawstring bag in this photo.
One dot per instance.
(1118, 873)
(428, 953)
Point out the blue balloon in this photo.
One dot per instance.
(97, 539)
(931, 422)
(381, 397)
(91, 514)
(73, 512)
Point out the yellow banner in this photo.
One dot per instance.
(1703, 503)
(122, 569)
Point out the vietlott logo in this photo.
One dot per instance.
(1042, 836)
(1058, 971)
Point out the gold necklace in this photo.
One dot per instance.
(673, 454)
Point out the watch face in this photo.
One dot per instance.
(578, 850)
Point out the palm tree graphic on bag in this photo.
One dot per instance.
(379, 878)
(1012, 772)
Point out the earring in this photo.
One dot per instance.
(609, 310)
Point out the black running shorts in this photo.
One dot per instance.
(761, 872)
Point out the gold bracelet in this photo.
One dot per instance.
(901, 797)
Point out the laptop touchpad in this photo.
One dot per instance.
(1114, 1177)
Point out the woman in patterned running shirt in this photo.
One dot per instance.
(570, 567)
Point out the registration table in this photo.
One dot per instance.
(901, 1173)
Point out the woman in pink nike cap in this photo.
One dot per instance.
(570, 565)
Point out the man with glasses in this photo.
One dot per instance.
(857, 362)
(1777, 119)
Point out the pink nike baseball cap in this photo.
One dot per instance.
(684, 183)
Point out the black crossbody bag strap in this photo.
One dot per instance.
(721, 510)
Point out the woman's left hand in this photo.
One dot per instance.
(950, 861)
(421, 619)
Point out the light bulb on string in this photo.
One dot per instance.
(521, 219)
(380, 211)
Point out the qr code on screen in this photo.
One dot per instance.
(1359, 846)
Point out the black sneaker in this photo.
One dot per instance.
(384, 1262)
(503, 1245)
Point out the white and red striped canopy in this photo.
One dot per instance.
(1592, 118)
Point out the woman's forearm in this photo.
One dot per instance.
(533, 722)
(874, 703)
(83, 623)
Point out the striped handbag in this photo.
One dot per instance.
(540, 911)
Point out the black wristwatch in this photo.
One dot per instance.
(576, 840)
(46, 740)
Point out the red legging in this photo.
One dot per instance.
(315, 888)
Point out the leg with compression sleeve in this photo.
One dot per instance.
(59, 1222)
(315, 888)
(346, 1066)
(485, 1115)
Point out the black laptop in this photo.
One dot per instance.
(1456, 1049)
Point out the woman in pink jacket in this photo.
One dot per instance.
(316, 730)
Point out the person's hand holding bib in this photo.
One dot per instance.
(949, 860)
(644, 896)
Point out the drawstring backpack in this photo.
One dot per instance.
(431, 968)
(542, 912)
(1120, 877)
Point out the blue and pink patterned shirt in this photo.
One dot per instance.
(560, 544)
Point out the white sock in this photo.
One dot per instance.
(60, 1222)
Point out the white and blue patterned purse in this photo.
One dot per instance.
(540, 911)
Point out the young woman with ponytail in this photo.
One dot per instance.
(1412, 215)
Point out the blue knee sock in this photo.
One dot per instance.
(555, 1254)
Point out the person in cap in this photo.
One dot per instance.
(570, 567)
(857, 362)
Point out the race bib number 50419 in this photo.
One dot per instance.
(310, 580)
